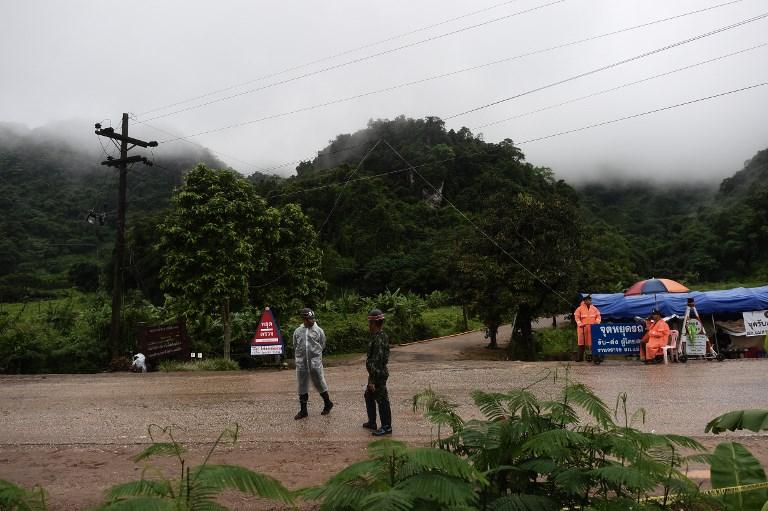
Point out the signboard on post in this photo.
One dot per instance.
(164, 341)
(756, 322)
(695, 339)
(268, 340)
(616, 338)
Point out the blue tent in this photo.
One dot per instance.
(737, 300)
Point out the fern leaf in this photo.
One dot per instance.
(390, 500)
(338, 497)
(161, 449)
(524, 403)
(684, 441)
(439, 489)
(140, 504)
(588, 400)
(232, 477)
(361, 469)
(627, 477)
(16, 498)
(491, 404)
(523, 503)
(142, 488)
(553, 441)
(560, 413)
(383, 449)
(431, 459)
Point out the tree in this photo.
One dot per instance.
(215, 236)
(530, 267)
(292, 277)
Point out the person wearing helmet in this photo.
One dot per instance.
(376, 365)
(308, 345)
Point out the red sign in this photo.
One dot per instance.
(267, 340)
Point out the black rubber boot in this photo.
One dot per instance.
(580, 356)
(370, 408)
(303, 398)
(328, 403)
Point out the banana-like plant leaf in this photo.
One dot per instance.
(753, 420)
(733, 465)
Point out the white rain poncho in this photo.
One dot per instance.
(308, 344)
(139, 363)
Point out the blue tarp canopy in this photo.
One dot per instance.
(740, 299)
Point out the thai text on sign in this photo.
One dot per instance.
(616, 338)
(756, 322)
(267, 340)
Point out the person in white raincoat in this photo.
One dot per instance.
(308, 344)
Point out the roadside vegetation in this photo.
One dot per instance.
(566, 451)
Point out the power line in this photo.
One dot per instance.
(448, 74)
(553, 135)
(330, 57)
(355, 61)
(669, 107)
(478, 228)
(610, 66)
(622, 86)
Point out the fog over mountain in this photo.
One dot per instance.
(265, 85)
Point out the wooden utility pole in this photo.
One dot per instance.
(117, 275)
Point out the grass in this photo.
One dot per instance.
(447, 320)
(33, 309)
(208, 364)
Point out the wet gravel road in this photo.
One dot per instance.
(100, 419)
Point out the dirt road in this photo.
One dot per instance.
(75, 434)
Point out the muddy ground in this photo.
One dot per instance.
(75, 434)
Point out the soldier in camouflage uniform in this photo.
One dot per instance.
(376, 364)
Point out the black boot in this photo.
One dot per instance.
(370, 408)
(328, 404)
(303, 398)
(386, 420)
(580, 355)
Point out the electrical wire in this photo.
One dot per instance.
(354, 61)
(642, 114)
(610, 66)
(553, 135)
(330, 57)
(448, 74)
(478, 228)
(618, 87)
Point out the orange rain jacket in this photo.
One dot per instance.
(658, 336)
(585, 317)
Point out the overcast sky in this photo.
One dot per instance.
(92, 60)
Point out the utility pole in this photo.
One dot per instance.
(122, 165)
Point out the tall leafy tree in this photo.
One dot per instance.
(292, 276)
(531, 267)
(214, 238)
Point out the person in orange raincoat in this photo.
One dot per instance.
(655, 338)
(585, 315)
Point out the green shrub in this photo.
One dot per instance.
(555, 343)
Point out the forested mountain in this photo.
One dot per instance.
(48, 187)
(392, 204)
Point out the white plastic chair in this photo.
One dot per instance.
(673, 336)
